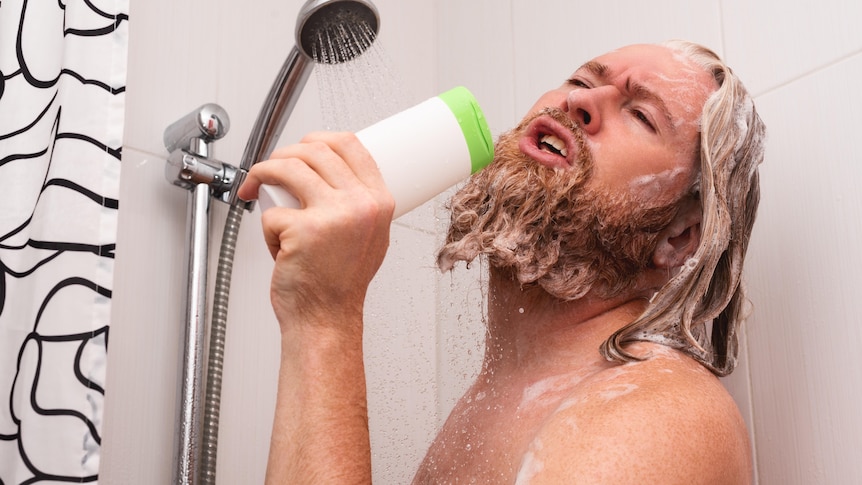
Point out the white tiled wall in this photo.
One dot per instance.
(799, 387)
(776, 44)
(805, 266)
(807, 282)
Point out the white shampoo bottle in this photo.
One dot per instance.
(420, 151)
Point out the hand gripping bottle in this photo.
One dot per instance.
(420, 151)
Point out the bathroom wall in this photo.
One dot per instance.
(806, 269)
(800, 382)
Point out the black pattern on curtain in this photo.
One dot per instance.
(62, 85)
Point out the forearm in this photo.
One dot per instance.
(326, 254)
(320, 432)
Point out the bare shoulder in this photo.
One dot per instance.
(664, 420)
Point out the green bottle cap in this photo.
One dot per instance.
(473, 124)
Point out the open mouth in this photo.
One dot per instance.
(552, 144)
(549, 143)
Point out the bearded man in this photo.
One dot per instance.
(614, 220)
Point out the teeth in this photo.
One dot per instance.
(554, 142)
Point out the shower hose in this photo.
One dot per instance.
(215, 361)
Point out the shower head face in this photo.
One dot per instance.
(336, 31)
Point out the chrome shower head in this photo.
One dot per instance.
(328, 32)
(336, 31)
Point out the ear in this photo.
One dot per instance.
(680, 239)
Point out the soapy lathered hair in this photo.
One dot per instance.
(709, 289)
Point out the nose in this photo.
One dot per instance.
(584, 106)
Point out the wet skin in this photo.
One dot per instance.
(547, 407)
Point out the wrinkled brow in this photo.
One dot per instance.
(634, 89)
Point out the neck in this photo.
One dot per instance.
(529, 329)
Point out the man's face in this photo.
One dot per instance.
(639, 109)
(580, 189)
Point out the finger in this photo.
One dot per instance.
(273, 224)
(279, 168)
(315, 150)
(355, 155)
(295, 175)
(332, 161)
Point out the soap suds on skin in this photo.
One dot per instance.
(542, 392)
(653, 185)
(617, 391)
(531, 465)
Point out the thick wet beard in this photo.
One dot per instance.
(552, 227)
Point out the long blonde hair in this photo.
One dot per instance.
(708, 291)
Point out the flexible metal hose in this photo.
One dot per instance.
(218, 330)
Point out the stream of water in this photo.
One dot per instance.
(359, 92)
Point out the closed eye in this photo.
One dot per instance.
(643, 118)
(578, 83)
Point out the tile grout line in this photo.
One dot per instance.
(808, 73)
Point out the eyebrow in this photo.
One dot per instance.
(634, 89)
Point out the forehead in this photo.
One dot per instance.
(682, 83)
(662, 62)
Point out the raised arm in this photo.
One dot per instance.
(325, 257)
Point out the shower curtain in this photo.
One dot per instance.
(62, 84)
